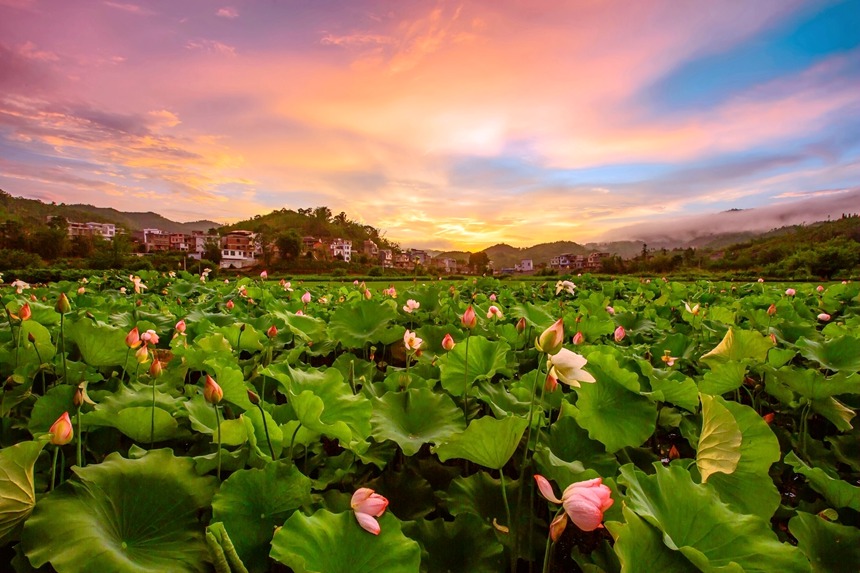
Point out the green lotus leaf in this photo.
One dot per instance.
(560, 471)
(137, 423)
(835, 411)
(17, 489)
(719, 449)
(640, 548)
(222, 551)
(836, 491)
(838, 354)
(723, 377)
(571, 443)
(598, 406)
(830, 547)
(709, 534)
(256, 432)
(415, 417)
(432, 336)
(123, 516)
(535, 316)
(465, 545)
(42, 341)
(410, 496)
(232, 381)
(738, 345)
(336, 543)
(364, 322)
(487, 442)
(814, 385)
(51, 406)
(846, 448)
(594, 327)
(201, 414)
(251, 339)
(99, 344)
(306, 328)
(671, 386)
(486, 358)
(750, 489)
(252, 503)
(500, 400)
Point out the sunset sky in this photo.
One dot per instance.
(445, 124)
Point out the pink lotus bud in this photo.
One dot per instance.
(212, 392)
(82, 290)
(264, 275)
(448, 343)
(551, 339)
(557, 527)
(253, 397)
(367, 506)
(230, 304)
(674, 454)
(773, 338)
(299, 313)
(521, 325)
(62, 431)
(155, 369)
(469, 319)
(551, 382)
(819, 288)
(272, 332)
(180, 327)
(578, 338)
(771, 310)
(761, 280)
(141, 355)
(823, 317)
(768, 418)
(132, 339)
(25, 313)
(367, 294)
(790, 292)
(493, 297)
(494, 312)
(306, 298)
(585, 501)
(355, 282)
(620, 333)
(610, 310)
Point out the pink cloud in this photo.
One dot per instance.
(227, 12)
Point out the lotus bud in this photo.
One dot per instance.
(61, 431)
(578, 338)
(448, 343)
(773, 338)
(63, 305)
(181, 326)
(230, 304)
(142, 354)
(367, 506)
(819, 288)
(551, 382)
(790, 292)
(132, 339)
(367, 294)
(264, 275)
(674, 454)
(155, 369)
(212, 392)
(823, 317)
(551, 339)
(25, 313)
(557, 527)
(493, 297)
(31, 338)
(771, 310)
(619, 333)
(521, 325)
(761, 280)
(610, 310)
(82, 290)
(469, 319)
(242, 327)
(306, 298)
(253, 397)
(768, 418)
(272, 332)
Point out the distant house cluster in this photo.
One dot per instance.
(523, 267)
(106, 231)
(567, 261)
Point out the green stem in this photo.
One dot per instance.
(218, 425)
(293, 441)
(80, 458)
(152, 417)
(550, 546)
(466, 378)
(266, 429)
(63, 354)
(352, 375)
(41, 370)
(125, 364)
(525, 459)
(54, 467)
(510, 523)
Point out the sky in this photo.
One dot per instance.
(444, 124)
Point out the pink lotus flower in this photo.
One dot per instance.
(25, 313)
(493, 297)
(132, 339)
(368, 505)
(584, 502)
(142, 354)
(411, 341)
(306, 298)
(494, 312)
(299, 313)
(212, 392)
(81, 290)
(819, 288)
(521, 324)
(566, 366)
(411, 305)
(552, 338)
(610, 310)
(264, 275)
(823, 317)
(790, 292)
(771, 310)
(469, 319)
(230, 304)
(149, 337)
(761, 280)
(272, 332)
(367, 294)
(578, 338)
(61, 431)
(620, 333)
(551, 382)
(180, 327)
(448, 343)
(155, 369)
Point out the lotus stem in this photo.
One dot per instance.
(293, 441)
(152, 417)
(466, 379)
(266, 429)
(218, 427)
(78, 446)
(510, 523)
(54, 467)
(550, 547)
(352, 374)
(41, 370)
(125, 365)
(63, 343)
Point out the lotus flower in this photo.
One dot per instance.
(272, 332)
(181, 326)
(25, 312)
(761, 280)
(448, 343)
(63, 305)
(521, 324)
(142, 354)
(668, 359)
(469, 319)
(368, 505)
(584, 502)
(81, 290)
(230, 304)
(493, 297)
(264, 275)
(823, 317)
(578, 338)
(694, 310)
(619, 333)
(138, 284)
(411, 305)
(610, 310)
(212, 392)
(566, 366)
(149, 337)
(790, 292)
(61, 430)
(552, 338)
(306, 298)
(367, 294)
(494, 312)
(819, 288)
(411, 340)
(155, 369)
(771, 310)
(566, 286)
(132, 339)
(551, 382)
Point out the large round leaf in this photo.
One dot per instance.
(830, 547)
(640, 547)
(740, 344)
(252, 503)
(840, 353)
(364, 322)
(328, 542)
(485, 359)
(17, 491)
(838, 492)
(695, 522)
(100, 344)
(719, 449)
(487, 441)
(466, 545)
(416, 417)
(123, 516)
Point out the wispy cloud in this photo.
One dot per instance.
(227, 12)
(211, 46)
(129, 7)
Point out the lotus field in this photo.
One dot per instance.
(167, 423)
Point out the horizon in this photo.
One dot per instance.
(449, 126)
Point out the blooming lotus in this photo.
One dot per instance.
(149, 337)
(448, 343)
(368, 505)
(694, 310)
(25, 312)
(138, 283)
(566, 286)
(19, 285)
(411, 341)
(584, 503)
(411, 305)
(494, 312)
(122, 290)
(212, 392)
(61, 431)
(566, 366)
(668, 359)
(551, 339)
